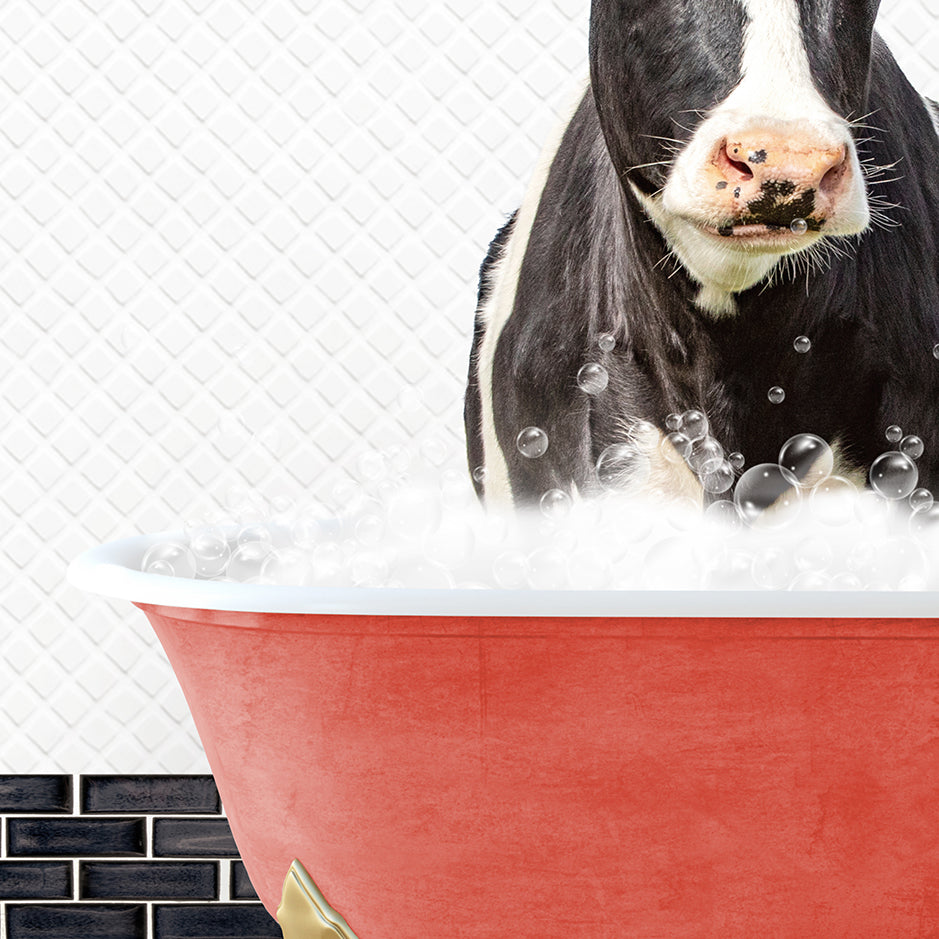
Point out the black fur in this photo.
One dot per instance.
(591, 267)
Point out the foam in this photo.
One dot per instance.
(429, 531)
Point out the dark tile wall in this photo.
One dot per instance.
(122, 857)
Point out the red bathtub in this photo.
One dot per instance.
(473, 764)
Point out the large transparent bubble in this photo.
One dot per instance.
(767, 496)
(894, 475)
(808, 458)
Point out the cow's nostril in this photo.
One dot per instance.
(742, 168)
(832, 178)
(733, 169)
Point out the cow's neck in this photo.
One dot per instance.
(718, 273)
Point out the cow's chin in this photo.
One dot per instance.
(726, 261)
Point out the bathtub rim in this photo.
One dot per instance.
(109, 570)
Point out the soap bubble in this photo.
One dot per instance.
(810, 580)
(247, 560)
(730, 570)
(420, 573)
(668, 556)
(547, 568)
(912, 446)
(328, 566)
(434, 451)
(315, 525)
(935, 351)
(719, 479)
(253, 533)
(210, 551)
(593, 378)
(736, 460)
(767, 495)
(206, 520)
(924, 522)
(813, 554)
(802, 344)
(706, 456)
(871, 509)
(776, 395)
(894, 475)
(349, 495)
(673, 422)
(532, 442)
(452, 544)
(621, 465)
(373, 465)
(283, 510)
(170, 558)
(400, 459)
(510, 569)
(644, 434)
(237, 495)
(693, 424)
(808, 458)
(773, 568)
(832, 501)
(479, 474)
(369, 569)
(555, 503)
(921, 499)
(894, 433)
(723, 512)
(414, 512)
(845, 580)
(370, 529)
(681, 514)
(286, 566)
(675, 447)
(892, 561)
(799, 226)
(588, 568)
(606, 342)
(456, 492)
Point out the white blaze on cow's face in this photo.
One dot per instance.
(770, 171)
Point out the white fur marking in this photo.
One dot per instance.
(498, 308)
(669, 475)
(933, 108)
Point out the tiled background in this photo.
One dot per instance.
(238, 246)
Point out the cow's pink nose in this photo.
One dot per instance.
(761, 172)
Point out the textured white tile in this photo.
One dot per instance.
(219, 216)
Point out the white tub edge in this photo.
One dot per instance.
(109, 570)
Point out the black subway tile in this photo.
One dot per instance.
(241, 886)
(35, 794)
(148, 880)
(222, 921)
(76, 837)
(35, 880)
(150, 794)
(74, 920)
(193, 837)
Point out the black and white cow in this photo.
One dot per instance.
(737, 174)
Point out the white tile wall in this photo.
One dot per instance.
(238, 245)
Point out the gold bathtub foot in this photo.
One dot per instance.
(304, 913)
